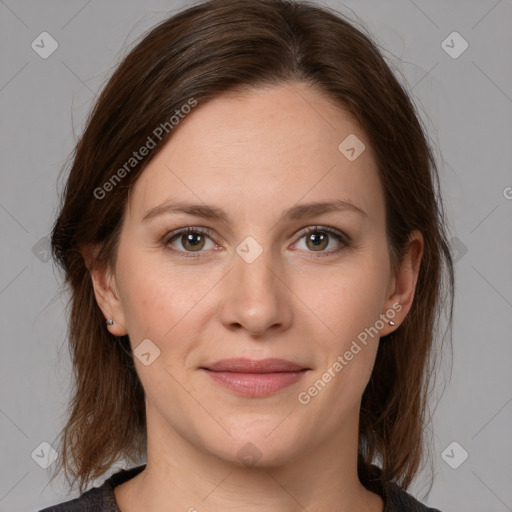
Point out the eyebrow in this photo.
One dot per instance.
(296, 212)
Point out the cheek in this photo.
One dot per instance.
(159, 298)
(334, 393)
(347, 300)
(146, 294)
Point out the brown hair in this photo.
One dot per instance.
(199, 53)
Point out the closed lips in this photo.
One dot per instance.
(243, 365)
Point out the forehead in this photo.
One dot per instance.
(265, 148)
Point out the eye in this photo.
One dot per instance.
(318, 238)
(191, 240)
(194, 240)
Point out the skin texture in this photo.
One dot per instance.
(254, 155)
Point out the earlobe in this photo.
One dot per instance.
(105, 292)
(404, 282)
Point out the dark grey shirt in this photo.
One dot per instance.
(102, 499)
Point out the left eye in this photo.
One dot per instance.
(317, 239)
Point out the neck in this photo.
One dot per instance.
(321, 477)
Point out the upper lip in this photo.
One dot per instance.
(242, 365)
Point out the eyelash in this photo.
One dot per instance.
(341, 237)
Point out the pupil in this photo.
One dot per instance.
(320, 238)
(191, 236)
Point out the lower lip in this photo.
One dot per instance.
(255, 384)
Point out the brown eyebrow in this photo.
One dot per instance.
(295, 212)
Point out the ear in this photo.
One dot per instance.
(403, 284)
(105, 291)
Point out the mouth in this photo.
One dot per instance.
(253, 378)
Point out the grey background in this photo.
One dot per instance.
(466, 103)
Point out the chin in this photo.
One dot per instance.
(256, 449)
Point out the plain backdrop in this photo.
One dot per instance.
(465, 100)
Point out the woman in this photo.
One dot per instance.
(254, 242)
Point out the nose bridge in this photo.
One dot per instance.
(256, 295)
(255, 265)
(255, 269)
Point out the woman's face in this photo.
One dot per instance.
(248, 281)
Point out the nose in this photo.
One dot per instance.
(256, 295)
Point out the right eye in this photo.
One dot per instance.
(191, 239)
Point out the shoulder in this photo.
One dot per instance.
(97, 499)
(398, 500)
(89, 501)
(395, 498)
